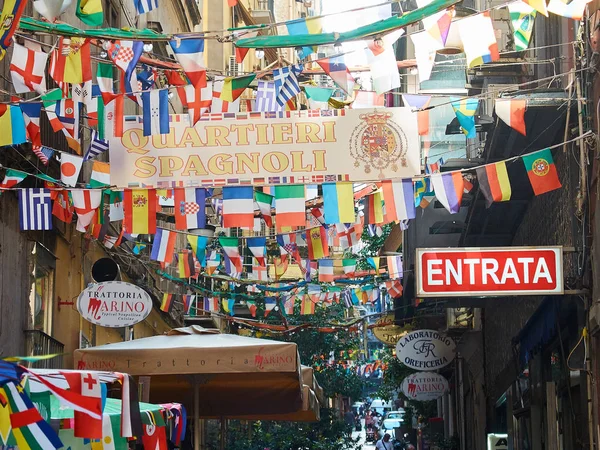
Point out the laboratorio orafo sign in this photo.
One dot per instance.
(424, 386)
(114, 304)
(425, 350)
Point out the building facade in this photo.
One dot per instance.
(42, 273)
(525, 364)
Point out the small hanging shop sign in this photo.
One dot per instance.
(114, 304)
(425, 350)
(386, 330)
(493, 271)
(424, 386)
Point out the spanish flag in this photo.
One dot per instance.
(316, 238)
(307, 306)
(281, 265)
(71, 62)
(139, 206)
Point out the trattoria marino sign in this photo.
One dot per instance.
(492, 271)
(114, 304)
(425, 350)
(307, 146)
(424, 386)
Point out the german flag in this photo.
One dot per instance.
(167, 303)
(494, 182)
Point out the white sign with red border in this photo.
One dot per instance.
(114, 304)
(424, 386)
(490, 271)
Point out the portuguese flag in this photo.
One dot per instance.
(541, 171)
(234, 87)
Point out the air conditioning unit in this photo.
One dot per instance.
(233, 67)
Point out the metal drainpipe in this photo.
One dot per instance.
(460, 402)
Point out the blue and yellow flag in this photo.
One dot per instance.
(465, 110)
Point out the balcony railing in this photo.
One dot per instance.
(39, 343)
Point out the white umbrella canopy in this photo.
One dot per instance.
(232, 375)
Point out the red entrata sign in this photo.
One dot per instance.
(494, 271)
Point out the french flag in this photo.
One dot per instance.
(190, 54)
(163, 246)
(326, 270)
(155, 107)
(238, 207)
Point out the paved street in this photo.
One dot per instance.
(361, 434)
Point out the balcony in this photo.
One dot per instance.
(39, 343)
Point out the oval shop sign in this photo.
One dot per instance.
(114, 304)
(425, 350)
(424, 386)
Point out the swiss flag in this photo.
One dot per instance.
(86, 384)
(155, 438)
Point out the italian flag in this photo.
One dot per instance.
(289, 206)
(12, 178)
(104, 77)
(349, 266)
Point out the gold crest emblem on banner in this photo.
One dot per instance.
(378, 143)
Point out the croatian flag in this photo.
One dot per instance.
(155, 107)
(190, 208)
(35, 212)
(125, 55)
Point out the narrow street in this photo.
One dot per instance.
(243, 224)
(361, 435)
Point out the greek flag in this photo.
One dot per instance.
(97, 146)
(265, 97)
(35, 212)
(286, 83)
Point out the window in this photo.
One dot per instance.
(42, 293)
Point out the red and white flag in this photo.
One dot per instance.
(347, 236)
(154, 438)
(74, 398)
(198, 101)
(367, 99)
(512, 113)
(27, 69)
(85, 202)
(87, 384)
(70, 166)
